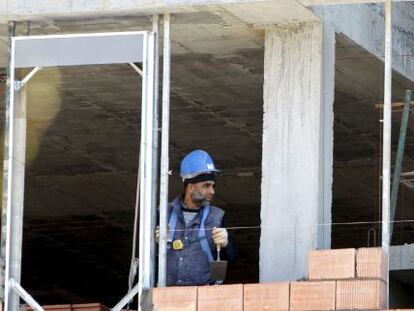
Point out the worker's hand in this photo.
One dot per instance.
(157, 233)
(220, 236)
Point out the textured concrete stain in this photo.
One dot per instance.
(291, 155)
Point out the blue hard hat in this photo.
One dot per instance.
(196, 163)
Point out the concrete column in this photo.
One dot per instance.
(294, 175)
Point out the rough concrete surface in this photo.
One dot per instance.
(260, 11)
(367, 28)
(291, 155)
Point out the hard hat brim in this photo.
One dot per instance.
(190, 176)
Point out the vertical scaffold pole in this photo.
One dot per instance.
(155, 168)
(4, 216)
(386, 157)
(162, 259)
(146, 224)
(15, 170)
(399, 158)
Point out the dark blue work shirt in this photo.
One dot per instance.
(190, 265)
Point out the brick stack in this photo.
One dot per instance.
(358, 275)
(343, 279)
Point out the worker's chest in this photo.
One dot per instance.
(193, 232)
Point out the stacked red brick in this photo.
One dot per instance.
(359, 277)
(238, 297)
(344, 279)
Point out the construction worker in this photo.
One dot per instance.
(195, 227)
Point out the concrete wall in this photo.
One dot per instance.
(292, 154)
(364, 24)
(402, 257)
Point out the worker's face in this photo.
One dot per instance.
(202, 191)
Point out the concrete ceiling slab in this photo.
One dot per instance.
(236, 16)
(259, 11)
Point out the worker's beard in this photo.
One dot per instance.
(199, 199)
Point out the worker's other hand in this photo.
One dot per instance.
(220, 236)
(157, 233)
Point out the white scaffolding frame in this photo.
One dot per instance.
(74, 50)
(386, 145)
(164, 171)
